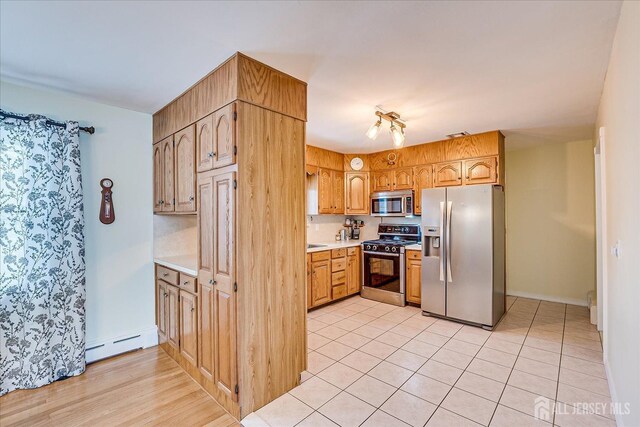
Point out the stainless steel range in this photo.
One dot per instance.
(383, 262)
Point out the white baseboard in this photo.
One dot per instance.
(122, 344)
(612, 390)
(572, 301)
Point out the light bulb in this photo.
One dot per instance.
(397, 136)
(374, 130)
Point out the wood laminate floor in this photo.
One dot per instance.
(145, 387)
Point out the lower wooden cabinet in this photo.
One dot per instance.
(413, 275)
(188, 327)
(332, 274)
(206, 337)
(173, 317)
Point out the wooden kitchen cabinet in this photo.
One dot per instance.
(188, 327)
(167, 174)
(353, 270)
(357, 193)
(338, 192)
(162, 308)
(185, 177)
(158, 177)
(248, 145)
(413, 275)
(447, 174)
(481, 171)
(403, 179)
(224, 136)
(382, 180)
(423, 178)
(330, 191)
(320, 289)
(204, 144)
(206, 336)
(173, 317)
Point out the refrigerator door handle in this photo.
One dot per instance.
(442, 255)
(448, 242)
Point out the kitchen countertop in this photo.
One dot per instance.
(187, 264)
(416, 247)
(333, 245)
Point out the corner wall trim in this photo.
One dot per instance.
(121, 344)
(572, 301)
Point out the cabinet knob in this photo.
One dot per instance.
(191, 198)
(186, 282)
(211, 281)
(213, 153)
(165, 274)
(210, 154)
(166, 294)
(214, 283)
(192, 309)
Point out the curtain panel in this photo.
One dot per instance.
(42, 268)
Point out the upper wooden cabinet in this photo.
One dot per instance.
(382, 180)
(330, 191)
(447, 174)
(224, 140)
(403, 179)
(481, 171)
(206, 336)
(423, 178)
(174, 177)
(158, 177)
(168, 176)
(204, 144)
(185, 178)
(357, 193)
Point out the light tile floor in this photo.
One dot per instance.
(373, 364)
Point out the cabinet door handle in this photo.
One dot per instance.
(165, 274)
(185, 283)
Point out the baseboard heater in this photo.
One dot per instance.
(119, 345)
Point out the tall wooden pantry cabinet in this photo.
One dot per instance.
(248, 314)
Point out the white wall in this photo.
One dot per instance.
(550, 219)
(619, 114)
(120, 282)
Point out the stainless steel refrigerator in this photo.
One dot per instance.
(463, 253)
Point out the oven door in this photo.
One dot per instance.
(384, 277)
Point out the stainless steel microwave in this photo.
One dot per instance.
(392, 203)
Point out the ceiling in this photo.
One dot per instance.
(528, 68)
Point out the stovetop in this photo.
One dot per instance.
(391, 241)
(393, 238)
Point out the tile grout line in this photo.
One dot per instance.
(564, 326)
(515, 361)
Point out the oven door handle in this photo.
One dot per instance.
(380, 253)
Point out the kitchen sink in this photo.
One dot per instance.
(313, 245)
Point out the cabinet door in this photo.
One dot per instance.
(320, 282)
(353, 271)
(413, 276)
(184, 153)
(168, 176)
(173, 317)
(338, 192)
(447, 174)
(403, 179)
(162, 299)
(423, 178)
(325, 191)
(357, 193)
(224, 136)
(224, 282)
(206, 336)
(204, 144)
(188, 327)
(158, 177)
(382, 181)
(309, 281)
(480, 171)
(205, 228)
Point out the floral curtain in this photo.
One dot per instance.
(42, 270)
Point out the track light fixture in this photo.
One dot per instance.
(396, 128)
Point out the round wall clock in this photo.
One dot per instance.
(356, 163)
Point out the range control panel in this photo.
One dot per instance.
(399, 229)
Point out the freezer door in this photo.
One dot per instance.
(469, 250)
(433, 268)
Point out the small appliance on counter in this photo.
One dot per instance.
(353, 228)
(383, 263)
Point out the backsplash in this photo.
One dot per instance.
(174, 235)
(323, 228)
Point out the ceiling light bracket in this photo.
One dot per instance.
(392, 117)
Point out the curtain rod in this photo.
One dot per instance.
(90, 130)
